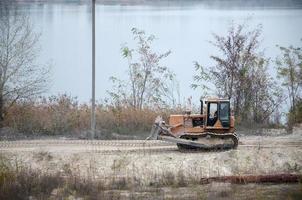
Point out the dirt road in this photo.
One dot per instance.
(149, 159)
(115, 146)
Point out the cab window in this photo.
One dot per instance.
(224, 111)
(224, 114)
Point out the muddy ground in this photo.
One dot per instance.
(154, 163)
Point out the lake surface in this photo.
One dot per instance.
(183, 27)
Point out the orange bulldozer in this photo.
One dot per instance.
(213, 129)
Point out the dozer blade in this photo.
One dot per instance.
(159, 128)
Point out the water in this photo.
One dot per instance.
(184, 28)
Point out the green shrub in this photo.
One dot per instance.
(295, 115)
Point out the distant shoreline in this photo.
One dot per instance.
(293, 4)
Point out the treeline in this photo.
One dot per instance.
(243, 74)
(240, 72)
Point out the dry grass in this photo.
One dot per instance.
(20, 182)
(63, 114)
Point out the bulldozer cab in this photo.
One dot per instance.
(218, 115)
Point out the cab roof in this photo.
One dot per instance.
(216, 99)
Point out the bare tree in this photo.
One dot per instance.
(201, 79)
(289, 68)
(239, 53)
(240, 74)
(20, 77)
(149, 81)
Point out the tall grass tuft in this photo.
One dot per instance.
(63, 114)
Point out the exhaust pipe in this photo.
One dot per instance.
(201, 106)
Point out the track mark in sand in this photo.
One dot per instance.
(122, 143)
(125, 146)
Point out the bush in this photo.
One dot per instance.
(21, 183)
(52, 116)
(295, 115)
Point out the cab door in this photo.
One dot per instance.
(212, 114)
(218, 115)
